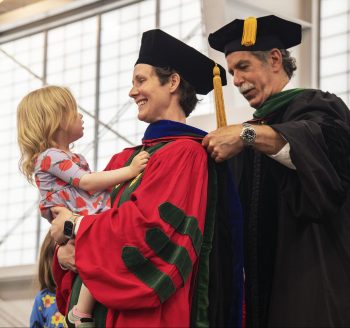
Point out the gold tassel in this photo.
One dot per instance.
(135, 179)
(249, 31)
(219, 99)
(140, 174)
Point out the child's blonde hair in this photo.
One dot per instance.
(39, 116)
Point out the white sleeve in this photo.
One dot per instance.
(77, 224)
(283, 157)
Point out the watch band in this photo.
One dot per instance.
(74, 217)
(69, 226)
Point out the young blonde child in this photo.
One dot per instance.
(48, 122)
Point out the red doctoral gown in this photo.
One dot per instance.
(138, 258)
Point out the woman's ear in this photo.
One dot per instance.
(174, 82)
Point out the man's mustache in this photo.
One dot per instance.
(246, 87)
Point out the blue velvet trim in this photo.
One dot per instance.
(236, 225)
(166, 128)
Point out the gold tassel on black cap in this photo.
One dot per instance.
(249, 31)
(219, 99)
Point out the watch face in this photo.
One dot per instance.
(248, 135)
(68, 228)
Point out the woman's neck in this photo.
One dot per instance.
(174, 112)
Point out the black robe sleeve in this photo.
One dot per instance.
(317, 127)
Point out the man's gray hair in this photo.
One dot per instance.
(288, 62)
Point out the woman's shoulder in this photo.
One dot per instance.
(183, 147)
(188, 143)
(119, 159)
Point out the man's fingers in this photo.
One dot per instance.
(211, 148)
(214, 154)
(205, 142)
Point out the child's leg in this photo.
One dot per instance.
(82, 312)
(85, 301)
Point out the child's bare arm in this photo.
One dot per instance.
(97, 181)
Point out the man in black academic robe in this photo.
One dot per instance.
(292, 167)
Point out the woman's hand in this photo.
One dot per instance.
(60, 214)
(66, 256)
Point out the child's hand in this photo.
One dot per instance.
(139, 162)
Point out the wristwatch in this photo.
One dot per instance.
(69, 226)
(248, 134)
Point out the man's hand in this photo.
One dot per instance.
(60, 215)
(66, 256)
(224, 143)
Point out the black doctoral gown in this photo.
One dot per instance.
(297, 222)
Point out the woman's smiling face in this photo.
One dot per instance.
(151, 97)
